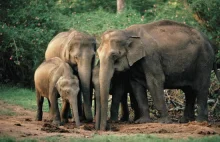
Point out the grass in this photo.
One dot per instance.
(20, 96)
(7, 112)
(112, 138)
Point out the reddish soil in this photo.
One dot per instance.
(22, 125)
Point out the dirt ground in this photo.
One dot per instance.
(22, 125)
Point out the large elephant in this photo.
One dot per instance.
(119, 89)
(53, 79)
(159, 55)
(77, 49)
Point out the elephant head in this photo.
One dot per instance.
(79, 51)
(68, 88)
(118, 51)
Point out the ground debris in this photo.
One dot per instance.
(17, 124)
(49, 128)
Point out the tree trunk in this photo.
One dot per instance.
(120, 5)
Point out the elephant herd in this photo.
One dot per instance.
(154, 56)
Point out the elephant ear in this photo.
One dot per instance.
(66, 54)
(139, 46)
(57, 85)
(66, 47)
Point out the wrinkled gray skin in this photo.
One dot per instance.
(53, 79)
(77, 49)
(119, 89)
(162, 54)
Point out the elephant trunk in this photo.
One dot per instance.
(105, 75)
(84, 70)
(74, 105)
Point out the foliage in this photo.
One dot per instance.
(27, 26)
(207, 14)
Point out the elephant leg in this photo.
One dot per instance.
(114, 108)
(40, 101)
(157, 93)
(124, 110)
(65, 111)
(54, 107)
(80, 107)
(202, 97)
(134, 106)
(49, 105)
(117, 92)
(140, 95)
(97, 103)
(189, 114)
(98, 111)
(70, 115)
(202, 85)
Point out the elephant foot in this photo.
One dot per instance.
(166, 120)
(112, 121)
(143, 120)
(106, 128)
(88, 117)
(38, 119)
(201, 118)
(124, 119)
(64, 121)
(85, 120)
(57, 123)
(88, 120)
(186, 119)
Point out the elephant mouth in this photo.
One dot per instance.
(75, 68)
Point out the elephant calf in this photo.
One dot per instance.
(54, 78)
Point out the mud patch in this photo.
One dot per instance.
(49, 128)
(23, 124)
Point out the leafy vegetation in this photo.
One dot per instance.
(27, 26)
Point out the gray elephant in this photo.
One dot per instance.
(53, 79)
(119, 89)
(77, 49)
(159, 55)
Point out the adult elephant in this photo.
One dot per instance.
(119, 89)
(162, 54)
(77, 49)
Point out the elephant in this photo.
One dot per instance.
(78, 49)
(159, 55)
(119, 89)
(54, 78)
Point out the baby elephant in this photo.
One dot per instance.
(54, 78)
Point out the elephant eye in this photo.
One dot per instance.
(76, 57)
(114, 56)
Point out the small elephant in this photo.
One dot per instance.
(53, 79)
(159, 55)
(78, 49)
(120, 87)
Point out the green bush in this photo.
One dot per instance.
(207, 12)
(27, 26)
